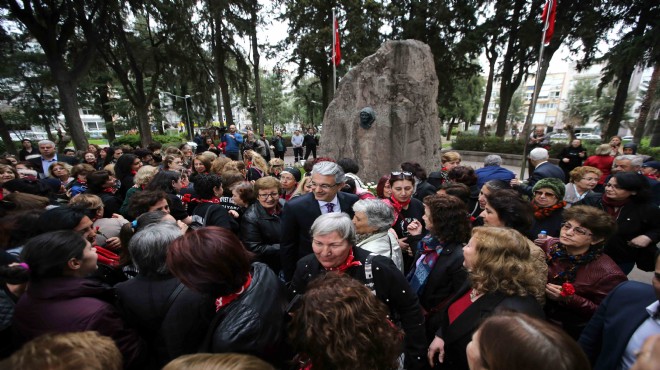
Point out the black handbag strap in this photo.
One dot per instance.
(170, 300)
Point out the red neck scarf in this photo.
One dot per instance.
(347, 264)
(543, 212)
(133, 172)
(398, 206)
(107, 257)
(187, 198)
(613, 207)
(227, 299)
(111, 190)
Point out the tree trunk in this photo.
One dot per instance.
(218, 101)
(142, 111)
(646, 105)
(450, 128)
(69, 105)
(489, 89)
(219, 53)
(619, 103)
(104, 99)
(6, 137)
(655, 139)
(255, 56)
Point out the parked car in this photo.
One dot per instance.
(587, 136)
(559, 135)
(627, 138)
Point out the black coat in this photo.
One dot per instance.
(574, 159)
(298, 215)
(423, 190)
(543, 171)
(551, 224)
(170, 330)
(60, 158)
(254, 323)
(260, 234)
(458, 334)
(391, 288)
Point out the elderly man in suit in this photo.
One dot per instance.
(48, 157)
(299, 213)
(629, 315)
(538, 157)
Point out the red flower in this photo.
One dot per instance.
(567, 290)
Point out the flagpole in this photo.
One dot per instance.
(532, 109)
(334, 53)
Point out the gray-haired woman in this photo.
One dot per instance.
(171, 317)
(333, 244)
(373, 220)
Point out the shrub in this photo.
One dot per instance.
(134, 140)
(3, 146)
(491, 144)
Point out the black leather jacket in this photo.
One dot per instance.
(260, 233)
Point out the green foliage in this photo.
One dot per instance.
(491, 144)
(580, 106)
(466, 102)
(3, 146)
(134, 140)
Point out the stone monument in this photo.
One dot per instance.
(398, 84)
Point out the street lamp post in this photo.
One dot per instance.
(185, 102)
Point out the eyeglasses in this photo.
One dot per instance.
(576, 229)
(266, 196)
(323, 186)
(613, 186)
(538, 193)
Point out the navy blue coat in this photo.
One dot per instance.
(543, 171)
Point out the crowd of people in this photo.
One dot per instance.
(226, 257)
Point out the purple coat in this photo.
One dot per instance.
(69, 304)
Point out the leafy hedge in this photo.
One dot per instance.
(3, 146)
(491, 144)
(134, 140)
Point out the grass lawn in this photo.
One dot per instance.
(100, 142)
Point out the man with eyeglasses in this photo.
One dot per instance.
(299, 213)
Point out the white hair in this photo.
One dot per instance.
(492, 160)
(334, 222)
(326, 168)
(538, 154)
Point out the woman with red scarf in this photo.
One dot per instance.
(333, 244)
(626, 199)
(548, 206)
(406, 210)
(103, 184)
(208, 211)
(579, 274)
(249, 300)
(126, 168)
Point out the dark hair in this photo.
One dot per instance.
(61, 218)
(210, 260)
(81, 169)
(18, 227)
(449, 216)
(229, 178)
(110, 155)
(341, 325)
(414, 168)
(96, 179)
(127, 231)
(27, 164)
(599, 222)
(48, 254)
(124, 165)
(141, 201)
(460, 191)
(634, 182)
(154, 145)
(248, 192)
(516, 341)
(349, 186)
(163, 181)
(493, 185)
(141, 153)
(204, 185)
(463, 174)
(511, 209)
(381, 186)
(348, 165)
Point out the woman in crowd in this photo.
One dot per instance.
(242, 195)
(603, 161)
(449, 161)
(466, 175)
(7, 173)
(438, 271)
(201, 165)
(275, 167)
(423, 188)
(112, 155)
(173, 162)
(206, 207)
(460, 191)
(147, 201)
(187, 152)
(304, 187)
(249, 299)
(289, 178)
(171, 183)
(103, 184)
(256, 165)
(576, 258)
(548, 204)
(373, 219)
(107, 229)
(383, 188)
(505, 208)
(79, 173)
(333, 244)
(626, 200)
(61, 171)
(517, 341)
(407, 209)
(143, 176)
(61, 299)
(572, 157)
(126, 168)
(218, 165)
(361, 337)
(260, 225)
(501, 277)
(486, 189)
(615, 146)
(582, 182)
(170, 317)
(90, 159)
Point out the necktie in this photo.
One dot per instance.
(331, 207)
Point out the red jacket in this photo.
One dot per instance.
(603, 163)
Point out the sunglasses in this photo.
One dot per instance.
(402, 175)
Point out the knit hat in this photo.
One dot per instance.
(554, 184)
(632, 146)
(294, 172)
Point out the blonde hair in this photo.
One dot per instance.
(300, 189)
(88, 201)
(503, 263)
(603, 149)
(450, 157)
(276, 162)
(145, 174)
(578, 173)
(234, 166)
(79, 350)
(110, 168)
(64, 165)
(212, 361)
(218, 165)
(256, 159)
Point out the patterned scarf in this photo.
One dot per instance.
(613, 207)
(229, 298)
(347, 264)
(543, 212)
(431, 248)
(557, 253)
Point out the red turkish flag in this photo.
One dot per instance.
(336, 50)
(548, 18)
